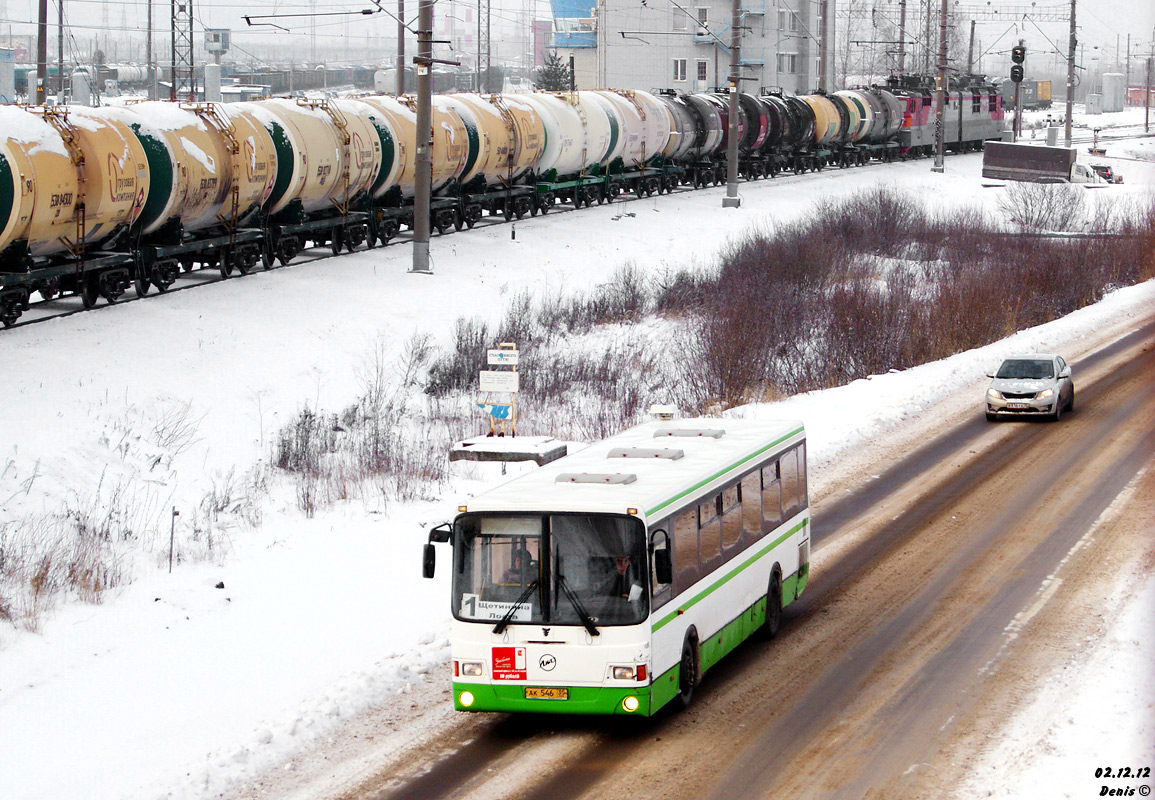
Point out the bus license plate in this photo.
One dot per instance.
(546, 693)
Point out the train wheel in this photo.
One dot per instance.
(88, 290)
(49, 289)
(337, 239)
(142, 286)
(355, 237)
(546, 202)
(226, 262)
(187, 263)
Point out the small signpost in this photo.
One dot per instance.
(497, 389)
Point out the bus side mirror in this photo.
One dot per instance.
(429, 561)
(663, 569)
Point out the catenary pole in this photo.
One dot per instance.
(424, 161)
(731, 200)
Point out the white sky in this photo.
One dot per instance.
(1103, 23)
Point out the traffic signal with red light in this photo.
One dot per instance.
(1018, 54)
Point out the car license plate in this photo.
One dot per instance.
(546, 693)
(1019, 406)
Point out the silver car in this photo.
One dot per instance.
(1031, 384)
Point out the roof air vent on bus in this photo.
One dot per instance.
(646, 452)
(712, 433)
(612, 478)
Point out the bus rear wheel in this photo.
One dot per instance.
(773, 607)
(688, 676)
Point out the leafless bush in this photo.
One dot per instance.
(1044, 206)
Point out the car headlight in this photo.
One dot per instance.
(1043, 395)
(995, 393)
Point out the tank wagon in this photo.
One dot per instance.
(94, 201)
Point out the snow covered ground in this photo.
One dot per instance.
(181, 685)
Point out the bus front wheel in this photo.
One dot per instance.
(688, 676)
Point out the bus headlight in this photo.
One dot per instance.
(466, 699)
(630, 704)
(471, 668)
(624, 673)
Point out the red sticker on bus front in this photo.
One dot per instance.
(509, 664)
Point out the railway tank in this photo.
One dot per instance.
(211, 170)
(74, 184)
(328, 155)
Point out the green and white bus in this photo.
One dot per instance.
(609, 581)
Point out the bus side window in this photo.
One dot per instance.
(686, 549)
(709, 534)
(789, 471)
(751, 507)
(661, 592)
(771, 498)
(731, 521)
(803, 498)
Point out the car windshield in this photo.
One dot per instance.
(1028, 368)
(557, 569)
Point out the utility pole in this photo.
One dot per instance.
(151, 73)
(971, 52)
(1070, 79)
(42, 53)
(400, 47)
(940, 117)
(60, 50)
(424, 162)
(902, 37)
(731, 200)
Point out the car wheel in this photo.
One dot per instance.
(1071, 402)
(1058, 410)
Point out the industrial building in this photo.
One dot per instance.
(665, 44)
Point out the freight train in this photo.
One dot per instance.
(95, 201)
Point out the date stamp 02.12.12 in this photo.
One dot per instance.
(1124, 781)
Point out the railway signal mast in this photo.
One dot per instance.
(1018, 56)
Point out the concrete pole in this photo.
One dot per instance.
(424, 162)
(940, 117)
(42, 54)
(400, 47)
(1070, 79)
(731, 200)
(902, 38)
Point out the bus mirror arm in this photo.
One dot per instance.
(441, 533)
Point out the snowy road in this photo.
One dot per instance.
(946, 574)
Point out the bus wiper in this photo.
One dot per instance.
(586, 619)
(500, 626)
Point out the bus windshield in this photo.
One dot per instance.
(556, 569)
